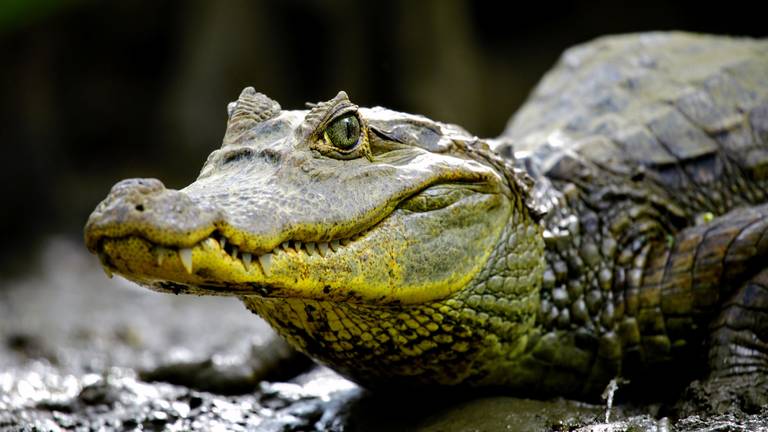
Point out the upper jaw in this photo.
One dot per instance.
(145, 208)
(217, 259)
(392, 263)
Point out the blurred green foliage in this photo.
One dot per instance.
(15, 14)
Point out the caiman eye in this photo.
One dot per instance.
(344, 132)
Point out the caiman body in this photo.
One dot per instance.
(618, 227)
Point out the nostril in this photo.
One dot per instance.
(139, 207)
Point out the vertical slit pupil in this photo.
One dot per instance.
(349, 128)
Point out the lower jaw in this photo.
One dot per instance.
(215, 267)
(370, 345)
(199, 269)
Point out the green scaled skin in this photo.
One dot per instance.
(617, 228)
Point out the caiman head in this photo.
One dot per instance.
(334, 210)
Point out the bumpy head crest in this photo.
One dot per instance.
(249, 109)
(321, 111)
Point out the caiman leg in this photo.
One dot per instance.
(738, 344)
(712, 284)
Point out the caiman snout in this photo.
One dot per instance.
(145, 208)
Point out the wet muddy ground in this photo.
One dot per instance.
(79, 351)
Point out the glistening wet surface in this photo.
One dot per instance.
(79, 351)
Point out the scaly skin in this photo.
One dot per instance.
(413, 254)
(373, 278)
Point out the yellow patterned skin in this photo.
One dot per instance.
(474, 337)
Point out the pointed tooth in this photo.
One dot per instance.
(107, 271)
(185, 254)
(311, 248)
(335, 245)
(223, 242)
(266, 263)
(234, 252)
(323, 248)
(247, 260)
(285, 245)
(161, 253)
(211, 244)
(297, 245)
(104, 260)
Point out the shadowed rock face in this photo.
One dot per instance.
(402, 251)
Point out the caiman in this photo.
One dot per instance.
(617, 228)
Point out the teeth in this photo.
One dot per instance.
(266, 263)
(211, 243)
(107, 271)
(186, 259)
(161, 253)
(311, 248)
(323, 248)
(220, 243)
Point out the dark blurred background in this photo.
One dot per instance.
(96, 91)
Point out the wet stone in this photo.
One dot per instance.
(100, 393)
